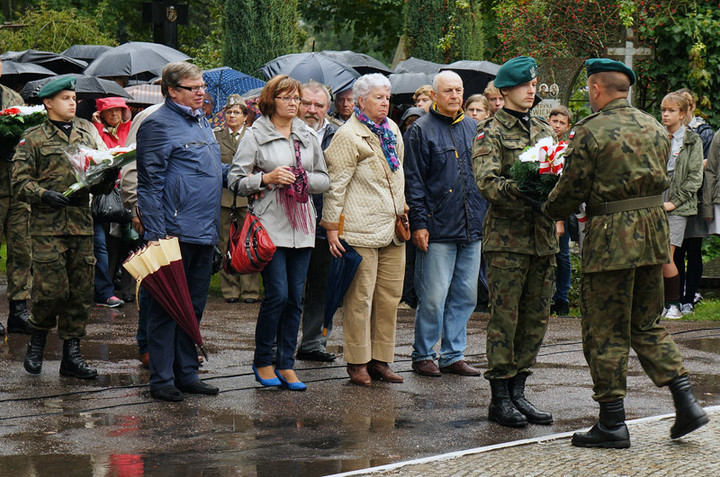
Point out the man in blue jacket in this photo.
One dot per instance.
(180, 177)
(446, 214)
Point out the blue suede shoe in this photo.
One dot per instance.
(299, 386)
(272, 382)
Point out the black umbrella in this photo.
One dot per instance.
(57, 63)
(475, 74)
(340, 276)
(404, 85)
(137, 59)
(14, 73)
(360, 62)
(306, 66)
(87, 87)
(416, 65)
(86, 52)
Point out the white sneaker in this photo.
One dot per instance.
(673, 313)
(687, 309)
(664, 312)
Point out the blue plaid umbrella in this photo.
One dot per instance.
(224, 81)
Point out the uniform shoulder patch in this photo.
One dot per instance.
(480, 136)
(22, 142)
(572, 134)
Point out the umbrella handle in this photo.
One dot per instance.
(202, 350)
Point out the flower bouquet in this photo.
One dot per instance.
(91, 165)
(13, 123)
(537, 169)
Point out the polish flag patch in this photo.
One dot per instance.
(572, 134)
(22, 141)
(480, 136)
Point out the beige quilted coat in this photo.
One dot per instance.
(359, 188)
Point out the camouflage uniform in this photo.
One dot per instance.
(519, 246)
(617, 154)
(62, 239)
(14, 218)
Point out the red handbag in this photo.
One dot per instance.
(249, 248)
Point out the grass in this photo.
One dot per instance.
(706, 310)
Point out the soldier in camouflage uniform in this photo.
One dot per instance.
(616, 164)
(61, 228)
(519, 245)
(14, 223)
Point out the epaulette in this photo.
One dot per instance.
(334, 120)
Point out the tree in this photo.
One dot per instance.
(256, 31)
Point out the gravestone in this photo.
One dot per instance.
(558, 75)
(628, 52)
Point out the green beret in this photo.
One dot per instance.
(599, 65)
(515, 72)
(54, 87)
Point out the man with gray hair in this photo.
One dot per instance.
(180, 177)
(446, 214)
(313, 110)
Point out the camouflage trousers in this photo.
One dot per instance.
(520, 287)
(15, 226)
(63, 268)
(621, 309)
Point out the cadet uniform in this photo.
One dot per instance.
(62, 238)
(616, 164)
(14, 222)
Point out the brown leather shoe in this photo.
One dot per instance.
(426, 367)
(145, 359)
(359, 374)
(380, 370)
(462, 368)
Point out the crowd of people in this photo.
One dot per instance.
(320, 183)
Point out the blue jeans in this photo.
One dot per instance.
(279, 317)
(104, 287)
(446, 280)
(562, 281)
(173, 357)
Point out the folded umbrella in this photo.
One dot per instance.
(159, 268)
(340, 276)
(86, 87)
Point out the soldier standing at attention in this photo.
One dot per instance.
(61, 227)
(519, 245)
(14, 223)
(616, 164)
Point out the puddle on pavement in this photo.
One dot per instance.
(711, 345)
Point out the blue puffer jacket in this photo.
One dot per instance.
(180, 176)
(440, 187)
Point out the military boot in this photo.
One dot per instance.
(516, 386)
(689, 415)
(35, 349)
(609, 432)
(502, 410)
(72, 363)
(18, 318)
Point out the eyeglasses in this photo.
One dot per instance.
(193, 89)
(475, 110)
(288, 99)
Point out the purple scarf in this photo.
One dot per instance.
(386, 136)
(294, 197)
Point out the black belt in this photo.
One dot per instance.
(615, 206)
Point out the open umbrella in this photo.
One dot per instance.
(416, 65)
(306, 66)
(145, 94)
(340, 276)
(86, 52)
(159, 268)
(360, 62)
(475, 74)
(136, 59)
(404, 85)
(14, 72)
(224, 81)
(57, 63)
(87, 87)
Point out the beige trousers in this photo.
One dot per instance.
(235, 286)
(370, 307)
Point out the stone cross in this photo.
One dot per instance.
(628, 52)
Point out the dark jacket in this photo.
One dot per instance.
(180, 176)
(330, 130)
(440, 187)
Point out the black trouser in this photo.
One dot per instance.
(690, 277)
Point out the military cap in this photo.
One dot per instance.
(600, 65)
(233, 99)
(515, 72)
(54, 87)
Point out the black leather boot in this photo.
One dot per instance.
(689, 415)
(516, 386)
(35, 349)
(18, 318)
(609, 432)
(72, 363)
(502, 410)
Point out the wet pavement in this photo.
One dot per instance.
(56, 426)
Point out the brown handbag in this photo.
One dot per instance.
(402, 223)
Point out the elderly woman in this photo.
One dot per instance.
(112, 120)
(234, 287)
(279, 160)
(367, 192)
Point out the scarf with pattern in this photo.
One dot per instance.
(386, 136)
